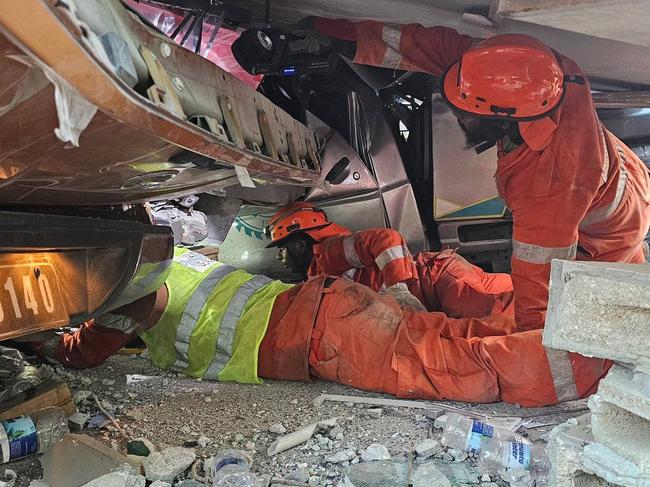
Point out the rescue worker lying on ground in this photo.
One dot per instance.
(436, 281)
(215, 322)
(574, 189)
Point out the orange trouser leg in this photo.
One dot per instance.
(450, 284)
(90, 345)
(363, 340)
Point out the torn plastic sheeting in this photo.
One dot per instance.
(73, 110)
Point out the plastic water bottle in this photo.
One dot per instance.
(519, 463)
(466, 434)
(28, 435)
(232, 469)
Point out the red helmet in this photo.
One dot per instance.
(301, 216)
(512, 77)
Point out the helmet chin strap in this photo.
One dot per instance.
(479, 149)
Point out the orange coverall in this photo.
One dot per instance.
(574, 189)
(442, 281)
(344, 332)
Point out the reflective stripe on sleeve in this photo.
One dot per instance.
(193, 310)
(389, 255)
(605, 173)
(599, 215)
(229, 322)
(559, 362)
(350, 252)
(536, 254)
(391, 35)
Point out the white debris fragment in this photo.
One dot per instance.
(295, 438)
(168, 464)
(375, 452)
(203, 441)
(117, 479)
(428, 448)
(277, 428)
(458, 455)
(342, 456)
(375, 413)
(9, 478)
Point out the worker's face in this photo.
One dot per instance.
(297, 254)
(479, 131)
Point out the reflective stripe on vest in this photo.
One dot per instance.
(536, 254)
(193, 311)
(389, 255)
(229, 323)
(559, 362)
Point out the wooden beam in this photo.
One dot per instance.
(42, 396)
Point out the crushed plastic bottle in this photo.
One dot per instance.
(466, 434)
(29, 435)
(520, 464)
(232, 469)
(16, 374)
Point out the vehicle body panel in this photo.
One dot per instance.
(137, 136)
(100, 264)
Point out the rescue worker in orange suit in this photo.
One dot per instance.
(379, 258)
(574, 189)
(211, 321)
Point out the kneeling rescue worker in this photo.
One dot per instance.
(574, 189)
(215, 322)
(379, 258)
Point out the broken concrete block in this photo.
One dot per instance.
(78, 459)
(428, 475)
(168, 464)
(613, 467)
(78, 421)
(342, 456)
(375, 452)
(621, 431)
(160, 483)
(375, 413)
(600, 309)
(117, 479)
(627, 389)
(428, 448)
(376, 474)
(565, 448)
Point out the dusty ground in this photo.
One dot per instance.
(173, 410)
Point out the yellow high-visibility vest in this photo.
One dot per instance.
(214, 321)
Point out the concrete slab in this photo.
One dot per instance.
(621, 431)
(78, 459)
(600, 309)
(565, 446)
(613, 467)
(628, 389)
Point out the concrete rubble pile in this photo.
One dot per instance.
(603, 310)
